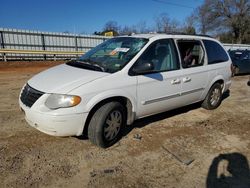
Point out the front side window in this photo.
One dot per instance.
(112, 55)
(162, 54)
(192, 53)
(215, 53)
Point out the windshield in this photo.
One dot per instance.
(112, 55)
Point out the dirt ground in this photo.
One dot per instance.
(187, 147)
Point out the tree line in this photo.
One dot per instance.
(227, 20)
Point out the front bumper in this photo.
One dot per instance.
(56, 125)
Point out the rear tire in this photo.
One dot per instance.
(213, 98)
(106, 124)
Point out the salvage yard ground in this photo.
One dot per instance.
(187, 147)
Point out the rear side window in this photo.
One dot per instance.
(192, 53)
(215, 53)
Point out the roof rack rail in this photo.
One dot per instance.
(182, 33)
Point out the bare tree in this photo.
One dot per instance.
(189, 25)
(142, 27)
(175, 25)
(165, 24)
(162, 23)
(224, 16)
(202, 19)
(111, 26)
(127, 30)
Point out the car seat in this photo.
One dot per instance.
(163, 58)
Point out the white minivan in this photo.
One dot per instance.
(124, 79)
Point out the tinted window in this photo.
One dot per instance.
(235, 54)
(215, 53)
(192, 53)
(162, 54)
(245, 55)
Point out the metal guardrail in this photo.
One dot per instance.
(4, 53)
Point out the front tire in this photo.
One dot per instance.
(106, 124)
(213, 98)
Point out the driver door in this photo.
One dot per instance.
(159, 89)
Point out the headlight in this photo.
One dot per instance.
(55, 101)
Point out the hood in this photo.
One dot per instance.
(63, 78)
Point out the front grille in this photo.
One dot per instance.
(30, 95)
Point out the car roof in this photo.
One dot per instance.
(176, 36)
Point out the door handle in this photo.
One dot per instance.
(186, 79)
(175, 81)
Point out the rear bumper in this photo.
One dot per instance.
(56, 125)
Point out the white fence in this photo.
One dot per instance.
(45, 41)
(236, 46)
(26, 44)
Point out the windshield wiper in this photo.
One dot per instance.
(86, 65)
(91, 62)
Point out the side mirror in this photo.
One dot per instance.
(143, 68)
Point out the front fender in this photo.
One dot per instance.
(109, 94)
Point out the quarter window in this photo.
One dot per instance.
(215, 53)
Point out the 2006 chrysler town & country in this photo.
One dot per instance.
(123, 79)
